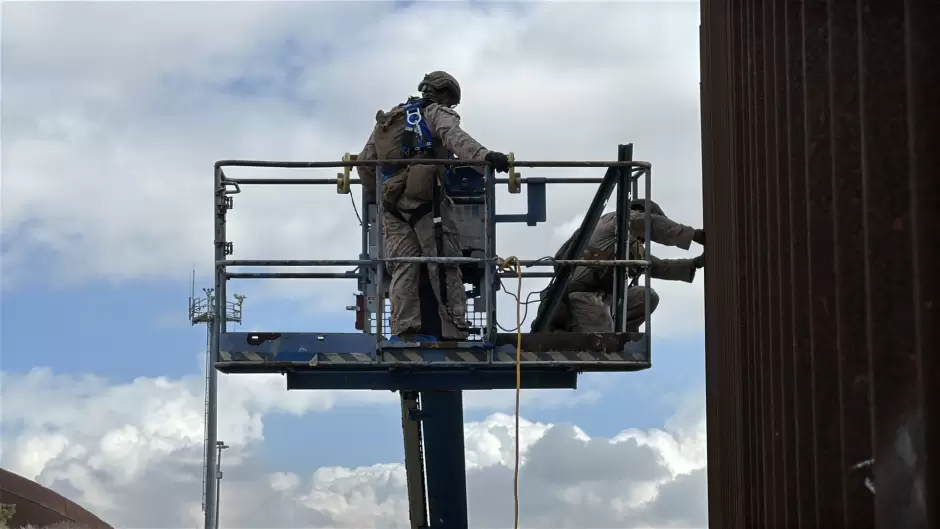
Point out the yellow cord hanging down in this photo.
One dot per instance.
(511, 263)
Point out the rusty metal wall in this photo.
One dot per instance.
(822, 205)
(39, 506)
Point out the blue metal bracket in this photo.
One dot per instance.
(536, 204)
(536, 201)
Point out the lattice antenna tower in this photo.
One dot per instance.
(202, 311)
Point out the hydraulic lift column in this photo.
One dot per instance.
(445, 459)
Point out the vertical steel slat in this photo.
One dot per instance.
(820, 122)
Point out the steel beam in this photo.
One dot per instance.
(544, 262)
(442, 414)
(624, 199)
(425, 379)
(216, 328)
(556, 292)
(414, 460)
(415, 161)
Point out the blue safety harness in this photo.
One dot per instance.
(417, 139)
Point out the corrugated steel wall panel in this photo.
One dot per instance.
(820, 126)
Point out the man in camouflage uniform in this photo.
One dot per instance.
(590, 292)
(427, 300)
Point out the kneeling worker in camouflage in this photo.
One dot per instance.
(589, 297)
(428, 301)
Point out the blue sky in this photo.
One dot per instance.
(112, 116)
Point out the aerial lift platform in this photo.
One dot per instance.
(431, 376)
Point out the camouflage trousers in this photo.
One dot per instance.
(591, 311)
(403, 240)
(636, 310)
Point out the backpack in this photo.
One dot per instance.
(402, 133)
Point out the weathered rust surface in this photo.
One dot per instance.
(821, 177)
(39, 506)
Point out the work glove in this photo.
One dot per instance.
(699, 261)
(498, 160)
(699, 237)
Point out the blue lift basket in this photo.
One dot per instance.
(430, 376)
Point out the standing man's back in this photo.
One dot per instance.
(428, 300)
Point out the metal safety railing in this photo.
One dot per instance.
(623, 175)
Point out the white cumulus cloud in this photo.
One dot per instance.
(113, 114)
(132, 453)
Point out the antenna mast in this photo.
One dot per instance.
(202, 311)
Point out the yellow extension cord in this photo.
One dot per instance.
(511, 263)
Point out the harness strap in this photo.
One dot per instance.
(416, 214)
(417, 138)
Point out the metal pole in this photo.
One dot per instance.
(365, 272)
(216, 325)
(634, 196)
(624, 152)
(413, 161)
(218, 490)
(648, 247)
(218, 476)
(380, 254)
(414, 459)
(353, 181)
(489, 249)
(327, 275)
(361, 277)
(543, 262)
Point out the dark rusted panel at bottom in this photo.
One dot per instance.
(39, 506)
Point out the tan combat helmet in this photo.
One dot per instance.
(640, 204)
(440, 81)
